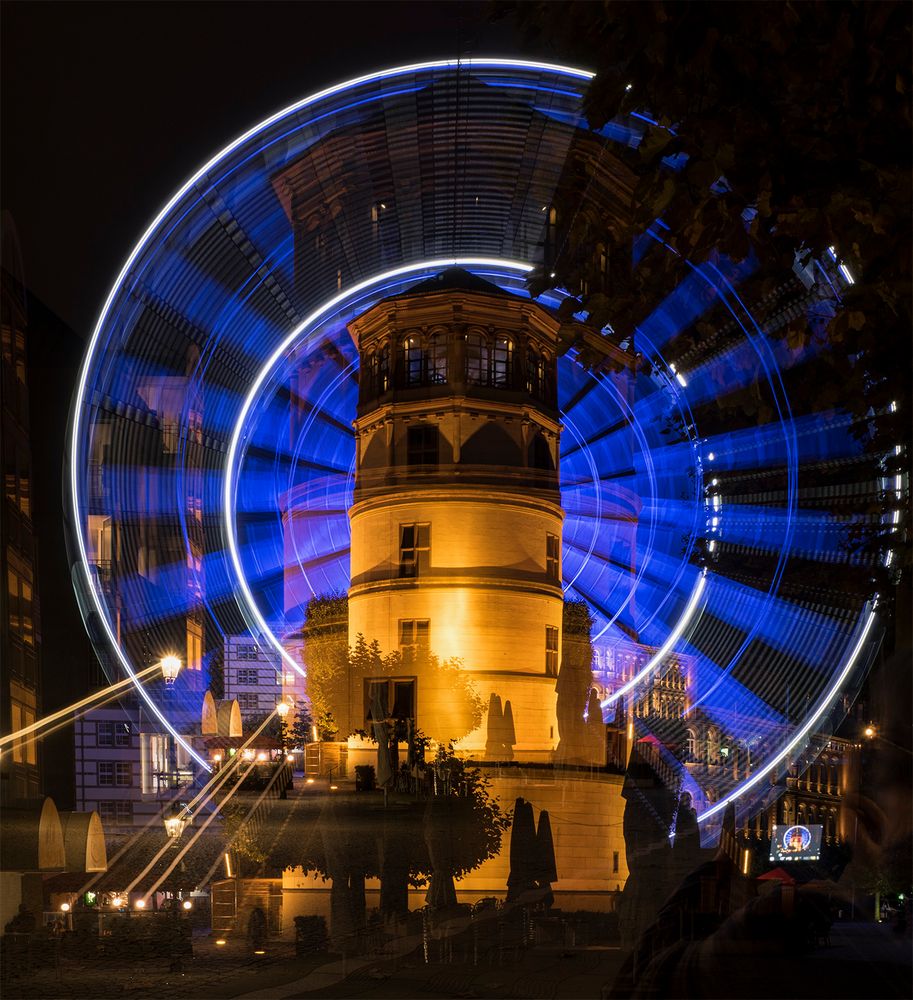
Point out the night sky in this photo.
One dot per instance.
(108, 108)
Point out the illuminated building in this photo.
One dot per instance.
(20, 626)
(253, 675)
(456, 524)
(456, 527)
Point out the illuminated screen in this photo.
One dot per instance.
(796, 843)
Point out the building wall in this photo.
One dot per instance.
(253, 675)
(125, 769)
(483, 588)
(20, 624)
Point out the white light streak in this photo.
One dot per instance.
(89, 357)
(228, 490)
(666, 647)
(808, 726)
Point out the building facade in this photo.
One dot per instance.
(456, 521)
(253, 676)
(20, 622)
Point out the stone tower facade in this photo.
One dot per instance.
(456, 521)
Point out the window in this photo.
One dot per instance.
(413, 361)
(535, 373)
(246, 675)
(248, 701)
(614, 862)
(194, 645)
(19, 591)
(487, 364)
(413, 635)
(502, 363)
(112, 734)
(476, 359)
(436, 360)
(116, 813)
(552, 557)
(422, 445)
(414, 549)
(115, 772)
(25, 749)
(425, 363)
(380, 369)
(389, 698)
(551, 650)
(245, 652)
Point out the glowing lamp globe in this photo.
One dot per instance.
(171, 667)
(174, 824)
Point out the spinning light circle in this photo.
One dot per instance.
(219, 386)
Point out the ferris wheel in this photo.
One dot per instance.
(220, 385)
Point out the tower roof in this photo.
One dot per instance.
(453, 279)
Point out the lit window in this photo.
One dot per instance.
(502, 363)
(551, 650)
(413, 361)
(414, 549)
(476, 353)
(552, 557)
(413, 635)
(436, 360)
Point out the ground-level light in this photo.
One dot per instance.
(187, 905)
(64, 907)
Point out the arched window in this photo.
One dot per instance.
(477, 353)
(437, 359)
(382, 369)
(502, 363)
(413, 357)
(690, 744)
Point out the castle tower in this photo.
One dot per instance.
(456, 521)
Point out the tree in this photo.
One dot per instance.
(770, 130)
(450, 706)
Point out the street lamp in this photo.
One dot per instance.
(282, 709)
(171, 667)
(175, 822)
(869, 732)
